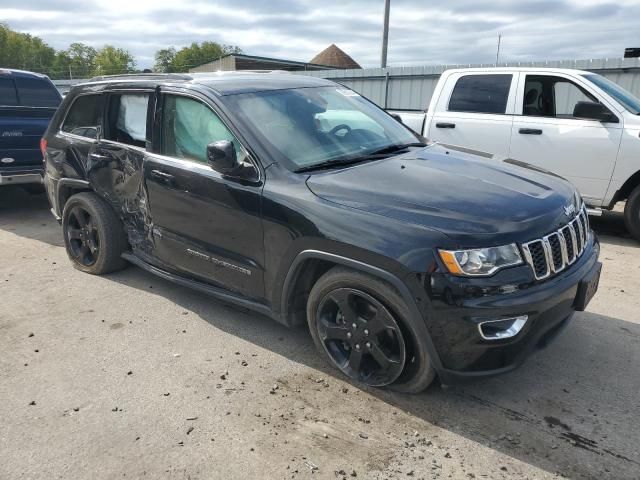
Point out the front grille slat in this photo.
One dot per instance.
(570, 244)
(555, 252)
(555, 249)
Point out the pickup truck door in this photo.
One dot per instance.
(474, 110)
(204, 224)
(547, 134)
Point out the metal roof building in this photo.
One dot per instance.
(237, 61)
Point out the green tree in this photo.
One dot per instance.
(110, 60)
(194, 55)
(24, 51)
(78, 61)
(165, 60)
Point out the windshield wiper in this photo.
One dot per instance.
(397, 148)
(337, 162)
(376, 154)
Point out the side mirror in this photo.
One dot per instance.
(594, 111)
(397, 117)
(221, 156)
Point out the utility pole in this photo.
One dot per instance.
(385, 34)
(498, 52)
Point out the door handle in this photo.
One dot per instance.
(530, 131)
(163, 177)
(445, 125)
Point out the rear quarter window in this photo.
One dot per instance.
(8, 95)
(82, 117)
(481, 94)
(37, 92)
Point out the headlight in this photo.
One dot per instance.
(480, 261)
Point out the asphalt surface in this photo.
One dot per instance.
(130, 376)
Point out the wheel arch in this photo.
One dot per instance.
(625, 190)
(310, 264)
(68, 187)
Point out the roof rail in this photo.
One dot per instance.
(143, 76)
(234, 72)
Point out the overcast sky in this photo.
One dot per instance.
(421, 33)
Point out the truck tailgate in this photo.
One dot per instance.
(20, 131)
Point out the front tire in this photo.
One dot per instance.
(363, 327)
(632, 213)
(93, 234)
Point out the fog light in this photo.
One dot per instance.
(502, 328)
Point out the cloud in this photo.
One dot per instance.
(421, 33)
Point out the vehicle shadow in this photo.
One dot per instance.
(562, 411)
(28, 215)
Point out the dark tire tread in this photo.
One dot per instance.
(113, 240)
(632, 213)
(423, 373)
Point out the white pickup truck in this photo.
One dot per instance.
(577, 124)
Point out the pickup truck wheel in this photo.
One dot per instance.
(632, 213)
(362, 326)
(93, 234)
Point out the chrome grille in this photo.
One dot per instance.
(555, 252)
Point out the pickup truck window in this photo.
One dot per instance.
(622, 96)
(551, 96)
(481, 94)
(310, 126)
(188, 126)
(8, 96)
(82, 118)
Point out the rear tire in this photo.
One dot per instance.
(93, 234)
(632, 213)
(366, 300)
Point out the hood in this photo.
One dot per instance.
(474, 200)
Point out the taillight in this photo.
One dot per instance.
(43, 147)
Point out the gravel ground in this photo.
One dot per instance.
(129, 376)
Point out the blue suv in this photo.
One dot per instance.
(27, 103)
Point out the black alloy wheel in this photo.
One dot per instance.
(82, 236)
(360, 336)
(94, 236)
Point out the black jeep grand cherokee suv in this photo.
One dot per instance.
(298, 198)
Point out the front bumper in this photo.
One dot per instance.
(21, 176)
(454, 320)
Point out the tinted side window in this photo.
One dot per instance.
(555, 97)
(481, 94)
(82, 118)
(127, 118)
(8, 92)
(37, 92)
(188, 126)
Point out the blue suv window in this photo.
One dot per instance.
(37, 92)
(8, 94)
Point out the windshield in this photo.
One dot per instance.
(623, 97)
(312, 126)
